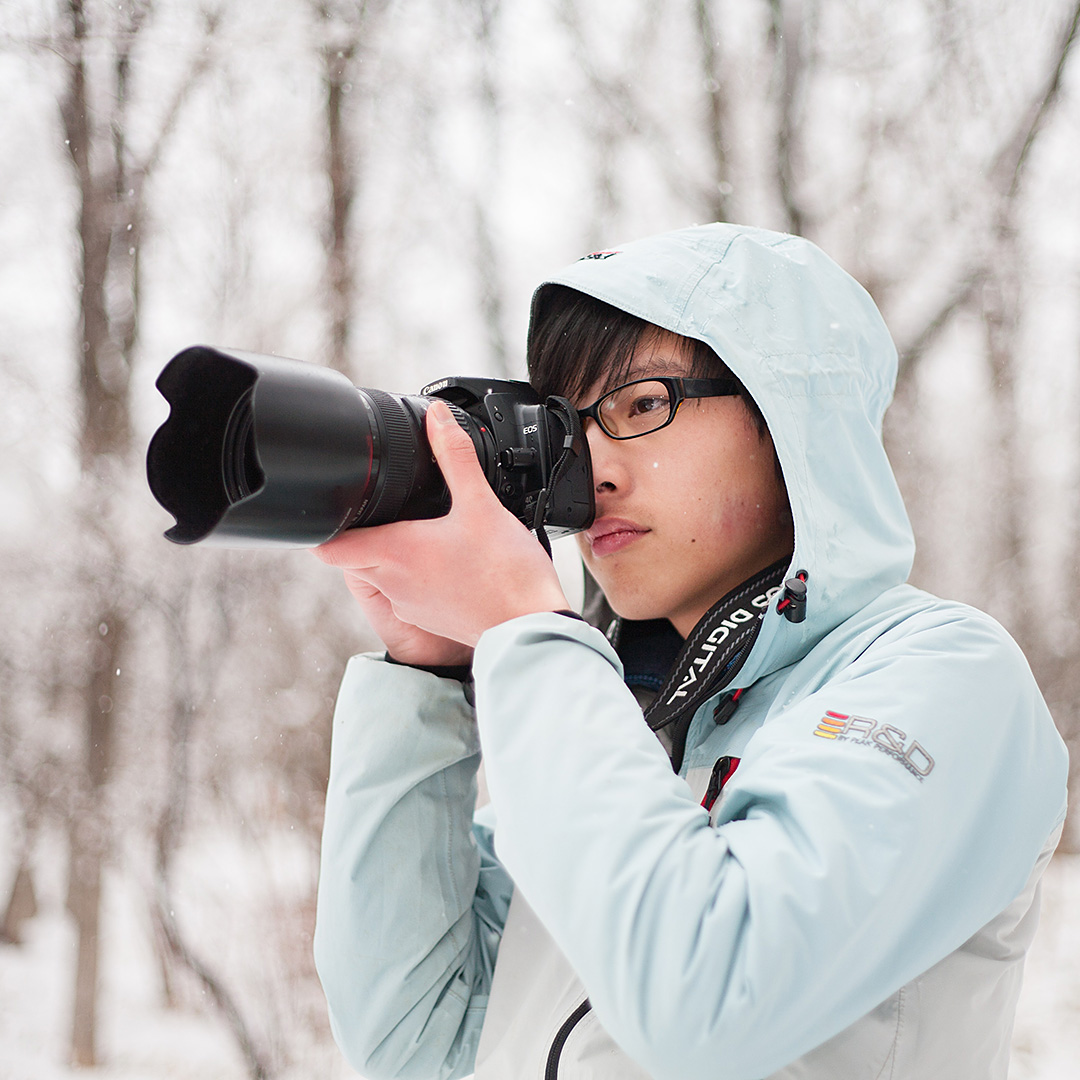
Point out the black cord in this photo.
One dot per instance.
(562, 408)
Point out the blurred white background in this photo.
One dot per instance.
(379, 187)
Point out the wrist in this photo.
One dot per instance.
(461, 672)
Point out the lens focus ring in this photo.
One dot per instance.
(397, 458)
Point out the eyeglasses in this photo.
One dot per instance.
(646, 405)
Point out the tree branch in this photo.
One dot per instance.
(1006, 171)
(1012, 157)
(219, 993)
(957, 300)
(199, 66)
(633, 116)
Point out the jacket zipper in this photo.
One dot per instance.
(551, 1071)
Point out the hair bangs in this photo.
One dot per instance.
(577, 342)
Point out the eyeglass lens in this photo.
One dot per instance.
(636, 409)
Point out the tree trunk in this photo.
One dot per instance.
(105, 343)
(90, 830)
(22, 904)
(84, 903)
(341, 172)
(719, 191)
(785, 34)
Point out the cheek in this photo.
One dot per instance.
(728, 517)
(722, 506)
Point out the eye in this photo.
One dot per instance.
(644, 404)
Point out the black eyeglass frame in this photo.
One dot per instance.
(679, 390)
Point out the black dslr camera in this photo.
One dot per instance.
(258, 450)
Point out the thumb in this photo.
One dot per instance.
(455, 453)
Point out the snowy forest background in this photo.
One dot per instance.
(378, 186)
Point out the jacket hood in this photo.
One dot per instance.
(810, 346)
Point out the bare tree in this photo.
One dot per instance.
(341, 170)
(623, 108)
(110, 182)
(199, 649)
(344, 33)
(990, 280)
(787, 33)
(22, 899)
(716, 123)
(484, 15)
(1005, 170)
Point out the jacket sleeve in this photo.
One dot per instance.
(411, 899)
(835, 874)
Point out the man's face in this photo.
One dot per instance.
(687, 513)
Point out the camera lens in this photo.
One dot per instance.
(259, 450)
(263, 451)
(240, 471)
(406, 482)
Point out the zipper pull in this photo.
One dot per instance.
(721, 773)
(725, 708)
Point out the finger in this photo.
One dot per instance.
(456, 455)
(353, 549)
(363, 589)
(375, 605)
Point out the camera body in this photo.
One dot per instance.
(263, 451)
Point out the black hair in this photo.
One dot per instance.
(577, 341)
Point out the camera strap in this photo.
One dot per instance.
(716, 649)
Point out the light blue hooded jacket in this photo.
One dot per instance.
(858, 901)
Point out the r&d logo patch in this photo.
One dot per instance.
(886, 738)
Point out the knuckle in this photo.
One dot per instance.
(463, 450)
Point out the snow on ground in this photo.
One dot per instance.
(138, 1040)
(141, 1040)
(1046, 1038)
(227, 893)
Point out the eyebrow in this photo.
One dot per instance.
(647, 368)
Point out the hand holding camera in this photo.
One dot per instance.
(431, 587)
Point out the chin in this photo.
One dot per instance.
(626, 595)
(637, 608)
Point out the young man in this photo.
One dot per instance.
(838, 878)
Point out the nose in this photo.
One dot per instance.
(609, 471)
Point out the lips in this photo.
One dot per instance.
(611, 534)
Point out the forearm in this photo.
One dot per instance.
(404, 946)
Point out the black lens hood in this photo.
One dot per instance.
(263, 480)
